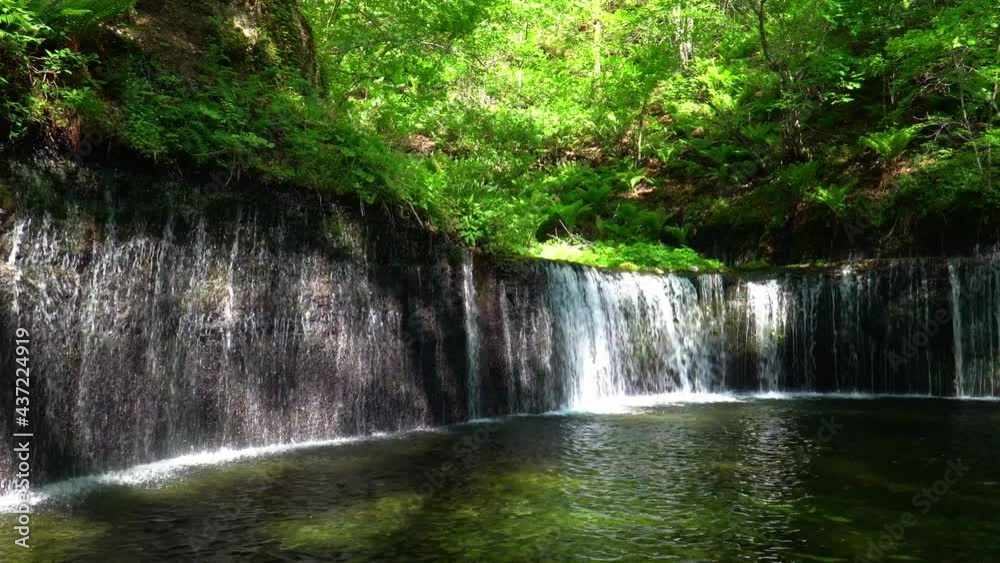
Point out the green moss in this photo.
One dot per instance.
(626, 256)
(357, 527)
(754, 265)
(287, 39)
(53, 538)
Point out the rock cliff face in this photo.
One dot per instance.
(162, 325)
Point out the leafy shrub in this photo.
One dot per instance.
(891, 143)
(20, 33)
(678, 234)
(71, 17)
(800, 177)
(632, 223)
(634, 256)
(755, 266)
(19, 26)
(833, 197)
(766, 134)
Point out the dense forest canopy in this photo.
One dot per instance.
(610, 132)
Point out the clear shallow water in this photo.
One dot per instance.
(755, 480)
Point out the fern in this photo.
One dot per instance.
(891, 143)
(19, 27)
(68, 17)
(570, 214)
(679, 234)
(762, 134)
(722, 154)
(833, 197)
(800, 177)
(597, 195)
(632, 223)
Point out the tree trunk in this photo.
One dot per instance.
(792, 120)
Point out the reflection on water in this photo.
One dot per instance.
(757, 480)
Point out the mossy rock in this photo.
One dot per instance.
(179, 34)
(287, 29)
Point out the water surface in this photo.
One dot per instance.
(808, 479)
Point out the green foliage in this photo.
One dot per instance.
(42, 84)
(622, 131)
(73, 17)
(800, 177)
(632, 223)
(678, 234)
(19, 26)
(833, 197)
(890, 144)
(20, 32)
(755, 266)
(634, 256)
(764, 134)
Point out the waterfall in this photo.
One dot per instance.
(16, 241)
(712, 330)
(807, 314)
(506, 335)
(153, 341)
(956, 322)
(15, 247)
(975, 318)
(526, 331)
(711, 294)
(865, 329)
(767, 307)
(847, 329)
(471, 309)
(624, 333)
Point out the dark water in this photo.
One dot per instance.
(760, 480)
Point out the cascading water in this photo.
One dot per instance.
(471, 309)
(15, 247)
(805, 327)
(849, 304)
(711, 315)
(956, 323)
(767, 307)
(622, 333)
(526, 329)
(154, 343)
(975, 320)
(872, 329)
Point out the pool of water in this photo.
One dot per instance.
(807, 479)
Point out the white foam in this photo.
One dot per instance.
(160, 471)
(792, 395)
(484, 420)
(625, 404)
